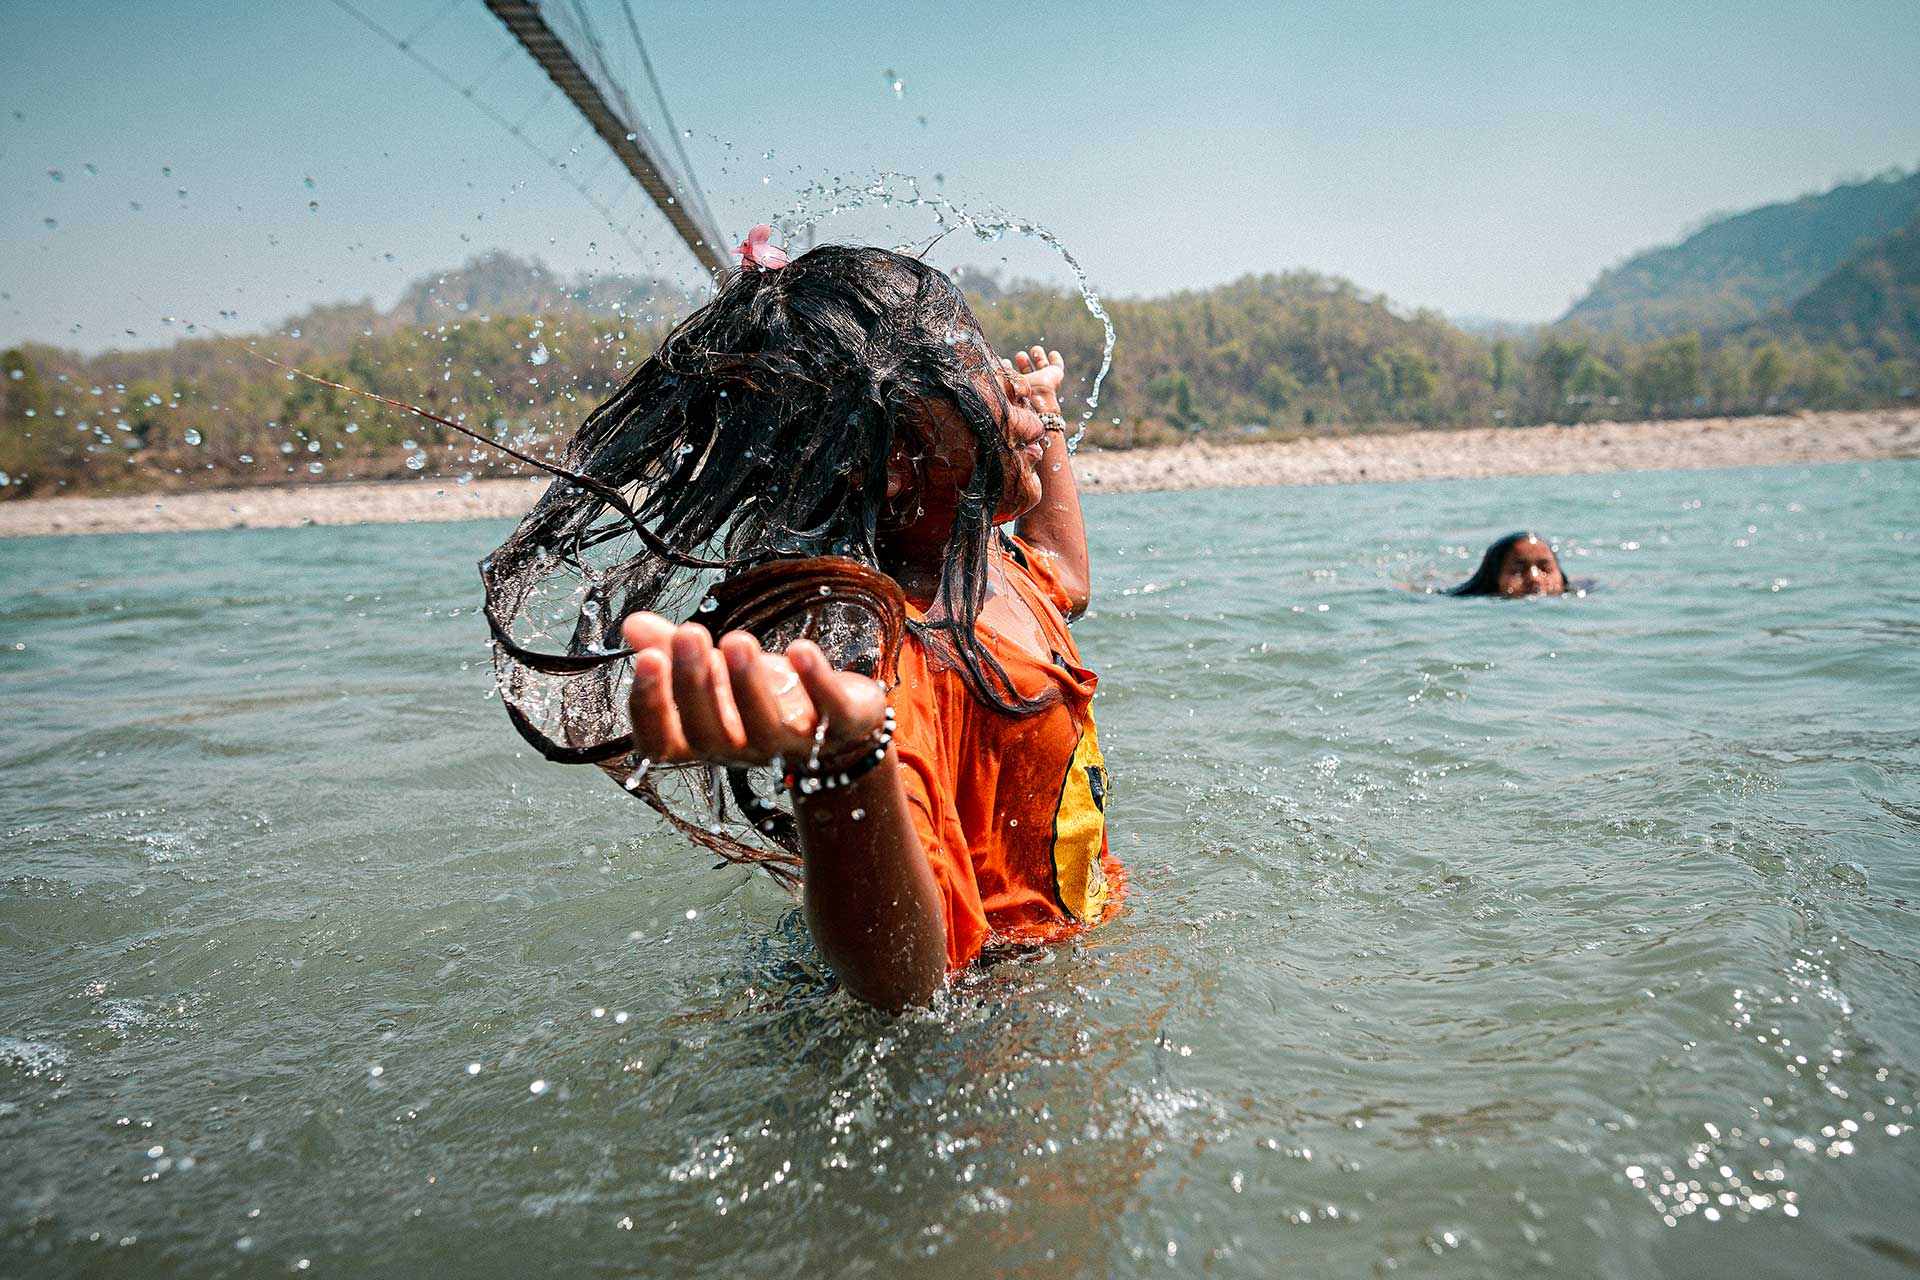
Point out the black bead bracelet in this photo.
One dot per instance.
(815, 778)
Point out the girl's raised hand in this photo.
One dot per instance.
(1040, 374)
(735, 704)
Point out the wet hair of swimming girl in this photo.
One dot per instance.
(811, 410)
(1487, 580)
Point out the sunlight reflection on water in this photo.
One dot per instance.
(1464, 936)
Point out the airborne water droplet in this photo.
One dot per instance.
(539, 355)
(191, 436)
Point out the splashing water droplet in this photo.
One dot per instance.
(708, 605)
(417, 462)
(539, 355)
(191, 436)
(890, 190)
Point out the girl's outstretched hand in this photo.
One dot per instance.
(735, 704)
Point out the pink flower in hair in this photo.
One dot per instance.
(755, 249)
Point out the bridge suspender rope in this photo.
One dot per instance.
(523, 20)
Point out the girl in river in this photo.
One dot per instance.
(1520, 564)
(948, 790)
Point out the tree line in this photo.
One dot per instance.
(1265, 356)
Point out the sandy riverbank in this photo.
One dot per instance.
(1420, 455)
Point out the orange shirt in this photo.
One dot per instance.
(1011, 810)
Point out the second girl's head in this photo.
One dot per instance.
(1520, 564)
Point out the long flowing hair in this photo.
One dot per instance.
(759, 430)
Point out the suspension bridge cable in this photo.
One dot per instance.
(528, 25)
(619, 228)
(438, 14)
(673, 130)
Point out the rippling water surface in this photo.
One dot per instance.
(1572, 937)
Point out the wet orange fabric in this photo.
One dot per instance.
(1011, 810)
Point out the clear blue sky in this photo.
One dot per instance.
(1482, 158)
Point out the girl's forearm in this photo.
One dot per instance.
(1055, 524)
(869, 895)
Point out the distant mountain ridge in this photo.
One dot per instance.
(1871, 301)
(503, 283)
(1735, 270)
(491, 284)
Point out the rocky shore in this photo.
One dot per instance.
(1345, 459)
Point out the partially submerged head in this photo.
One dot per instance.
(1520, 564)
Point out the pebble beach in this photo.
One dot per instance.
(1373, 457)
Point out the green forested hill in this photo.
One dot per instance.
(1734, 270)
(1871, 302)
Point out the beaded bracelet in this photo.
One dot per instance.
(814, 778)
(1053, 422)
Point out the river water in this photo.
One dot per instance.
(1570, 937)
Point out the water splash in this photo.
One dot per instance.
(891, 190)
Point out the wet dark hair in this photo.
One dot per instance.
(1486, 579)
(759, 430)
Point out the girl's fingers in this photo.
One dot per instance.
(693, 695)
(852, 705)
(646, 631)
(751, 675)
(1053, 358)
(656, 724)
(723, 697)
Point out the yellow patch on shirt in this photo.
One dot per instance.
(1079, 830)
